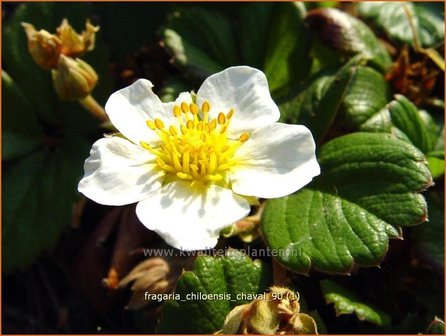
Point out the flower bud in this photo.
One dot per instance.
(74, 44)
(73, 79)
(278, 312)
(152, 276)
(45, 48)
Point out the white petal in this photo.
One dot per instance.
(130, 108)
(245, 90)
(183, 97)
(191, 218)
(117, 172)
(277, 160)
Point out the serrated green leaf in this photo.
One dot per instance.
(406, 118)
(232, 275)
(402, 118)
(194, 61)
(400, 20)
(323, 56)
(368, 93)
(280, 45)
(348, 35)
(317, 104)
(302, 108)
(366, 192)
(200, 40)
(37, 194)
(287, 60)
(252, 27)
(428, 237)
(347, 302)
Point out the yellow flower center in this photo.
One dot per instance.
(197, 148)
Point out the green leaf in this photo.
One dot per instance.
(347, 302)
(348, 35)
(436, 164)
(138, 24)
(402, 118)
(406, 118)
(287, 59)
(317, 104)
(367, 94)
(21, 133)
(400, 20)
(435, 158)
(225, 278)
(253, 27)
(37, 194)
(268, 36)
(428, 237)
(200, 40)
(17, 145)
(323, 56)
(368, 189)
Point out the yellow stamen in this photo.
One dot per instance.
(205, 107)
(215, 178)
(186, 161)
(184, 176)
(221, 118)
(244, 137)
(159, 124)
(183, 129)
(193, 108)
(176, 163)
(145, 145)
(213, 123)
(150, 124)
(176, 111)
(165, 166)
(184, 107)
(212, 162)
(172, 130)
(196, 147)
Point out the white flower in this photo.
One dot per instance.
(189, 163)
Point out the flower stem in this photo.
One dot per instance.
(91, 105)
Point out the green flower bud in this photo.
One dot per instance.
(73, 79)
